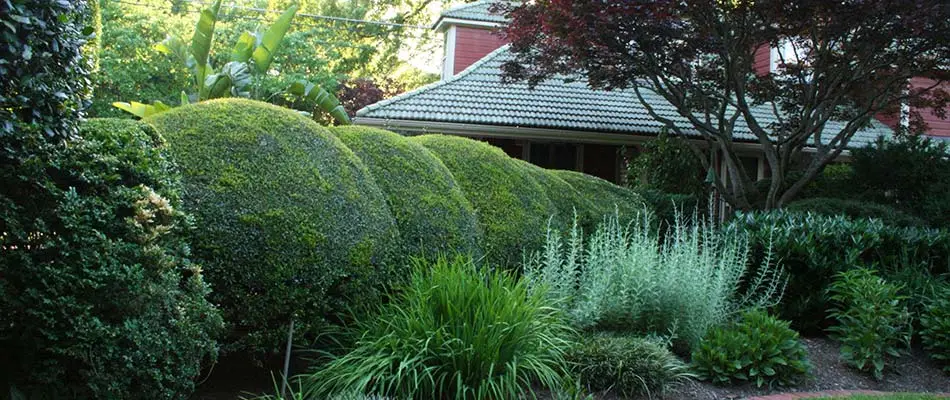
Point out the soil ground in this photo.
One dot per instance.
(233, 377)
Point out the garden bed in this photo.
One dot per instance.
(912, 373)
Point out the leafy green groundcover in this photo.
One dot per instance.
(431, 211)
(290, 223)
(509, 202)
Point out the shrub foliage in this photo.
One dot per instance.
(97, 296)
(453, 332)
(813, 248)
(431, 212)
(873, 325)
(290, 222)
(510, 205)
(626, 365)
(855, 209)
(622, 278)
(935, 321)
(757, 348)
(603, 199)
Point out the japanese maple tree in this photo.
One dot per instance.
(846, 60)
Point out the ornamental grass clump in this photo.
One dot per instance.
(455, 331)
(626, 365)
(623, 278)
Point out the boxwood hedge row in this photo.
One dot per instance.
(290, 223)
(510, 204)
(431, 211)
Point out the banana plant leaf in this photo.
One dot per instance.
(244, 47)
(270, 42)
(202, 39)
(233, 79)
(324, 99)
(175, 46)
(142, 110)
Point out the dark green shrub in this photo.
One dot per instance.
(566, 200)
(813, 248)
(668, 165)
(757, 348)
(835, 181)
(98, 298)
(667, 205)
(43, 75)
(911, 172)
(510, 205)
(855, 209)
(935, 321)
(431, 212)
(625, 365)
(456, 331)
(605, 198)
(873, 325)
(290, 224)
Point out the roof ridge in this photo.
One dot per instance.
(466, 72)
(466, 6)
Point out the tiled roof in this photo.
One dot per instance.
(477, 11)
(478, 96)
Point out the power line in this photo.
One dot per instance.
(319, 17)
(256, 19)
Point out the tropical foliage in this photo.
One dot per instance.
(251, 58)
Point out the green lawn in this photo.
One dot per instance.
(901, 396)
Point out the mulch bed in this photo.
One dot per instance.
(912, 373)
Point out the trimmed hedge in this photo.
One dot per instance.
(290, 223)
(813, 248)
(604, 197)
(855, 209)
(98, 298)
(431, 212)
(510, 204)
(566, 200)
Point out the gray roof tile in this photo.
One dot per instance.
(477, 11)
(477, 96)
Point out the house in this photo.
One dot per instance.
(558, 124)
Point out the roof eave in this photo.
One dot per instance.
(444, 22)
(541, 134)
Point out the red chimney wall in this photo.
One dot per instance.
(472, 44)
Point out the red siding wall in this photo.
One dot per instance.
(935, 125)
(471, 44)
(762, 64)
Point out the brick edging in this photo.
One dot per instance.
(828, 393)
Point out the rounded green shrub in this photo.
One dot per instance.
(935, 321)
(510, 205)
(604, 197)
(629, 366)
(290, 223)
(855, 209)
(567, 201)
(98, 298)
(757, 348)
(431, 212)
(456, 331)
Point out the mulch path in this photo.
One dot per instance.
(912, 373)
